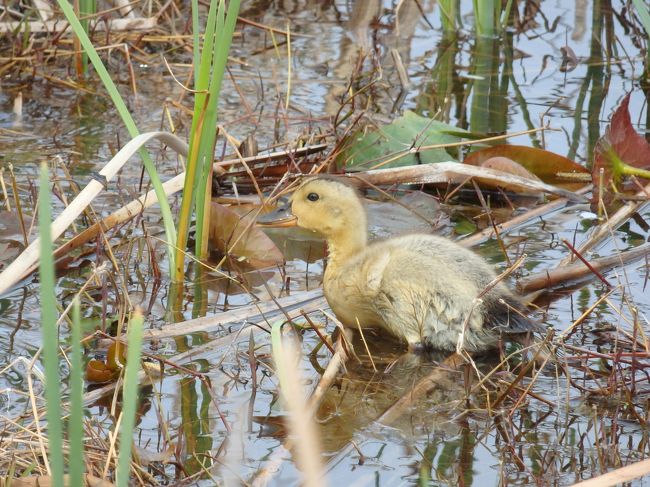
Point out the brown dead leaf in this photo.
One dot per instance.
(239, 237)
(98, 372)
(549, 167)
(505, 164)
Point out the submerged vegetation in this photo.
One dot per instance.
(155, 332)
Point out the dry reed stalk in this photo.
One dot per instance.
(602, 231)
(334, 365)
(578, 271)
(312, 302)
(618, 476)
(519, 220)
(446, 172)
(49, 26)
(302, 427)
(136, 207)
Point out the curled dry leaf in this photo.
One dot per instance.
(239, 237)
(551, 168)
(100, 372)
(505, 164)
(618, 153)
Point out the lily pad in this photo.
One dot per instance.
(390, 146)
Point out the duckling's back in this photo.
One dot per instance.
(423, 288)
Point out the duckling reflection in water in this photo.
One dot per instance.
(420, 288)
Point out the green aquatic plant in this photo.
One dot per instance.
(75, 423)
(86, 9)
(53, 400)
(129, 398)
(449, 15)
(50, 332)
(210, 59)
(490, 17)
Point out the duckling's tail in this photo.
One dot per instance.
(507, 315)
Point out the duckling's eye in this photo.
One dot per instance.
(313, 197)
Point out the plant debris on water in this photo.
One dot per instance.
(519, 129)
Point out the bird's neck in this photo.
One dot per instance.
(346, 244)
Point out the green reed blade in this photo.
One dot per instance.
(75, 423)
(50, 331)
(129, 397)
(644, 15)
(209, 75)
(448, 14)
(226, 28)
(86, 8)
(201, 85)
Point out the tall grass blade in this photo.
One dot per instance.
(226, 29)
(219, 30)
(505, 15)
(202, 71)
(196, 47)
(127, 119)
(129, 398)
(448, 15)
(50, 332)
(86, 8)
(486, 13)
(75, 423)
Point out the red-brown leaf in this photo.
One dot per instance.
(628, 145)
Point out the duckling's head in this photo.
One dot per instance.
(329, 207)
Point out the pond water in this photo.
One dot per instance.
(557, 435)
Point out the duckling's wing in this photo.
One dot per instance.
(506, 314)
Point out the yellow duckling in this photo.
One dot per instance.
(420, 288)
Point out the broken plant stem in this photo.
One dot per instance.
(586, 262)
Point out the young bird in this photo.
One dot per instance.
(420, 288)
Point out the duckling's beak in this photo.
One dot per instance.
(279, 218)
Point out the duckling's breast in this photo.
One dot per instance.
(350, 298)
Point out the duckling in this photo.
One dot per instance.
(420, 288)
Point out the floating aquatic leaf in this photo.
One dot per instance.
(551, 168)
(389, 146)
(100, 372)
(239, 237)
(620, 152)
